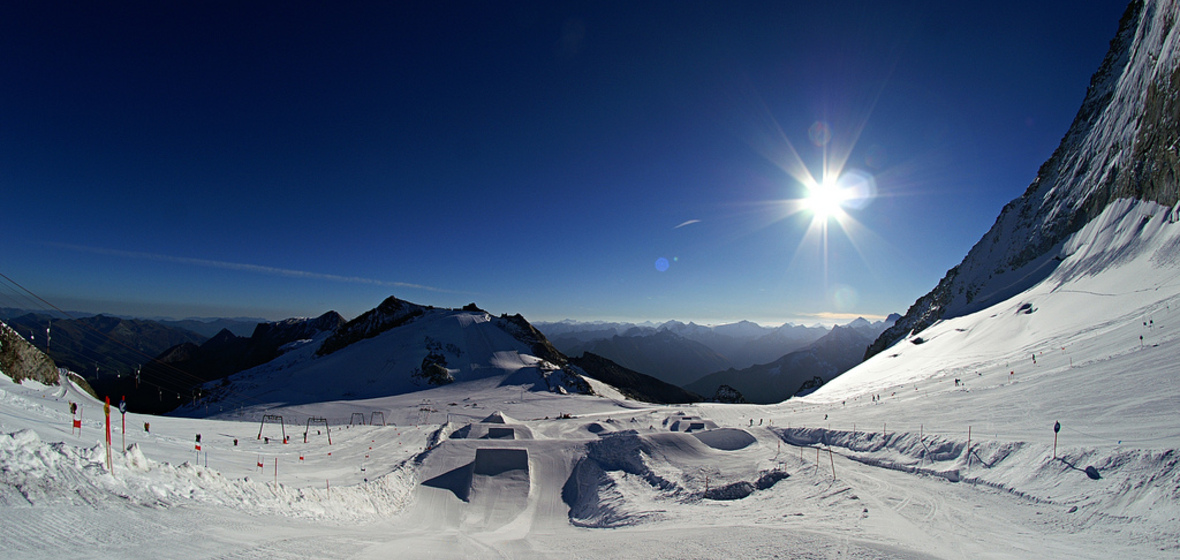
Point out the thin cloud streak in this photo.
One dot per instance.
(688, 223)
(245, 267)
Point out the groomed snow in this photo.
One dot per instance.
(838, 474)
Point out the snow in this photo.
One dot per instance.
(836, 474)
(933, 468)
(474, 347)
(941, 446)
(957, 458)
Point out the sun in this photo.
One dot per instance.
(826, 200)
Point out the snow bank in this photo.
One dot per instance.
(1136, 487)
(37, 474)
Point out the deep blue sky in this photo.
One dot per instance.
(286, 158)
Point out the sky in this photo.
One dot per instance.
(582, 160)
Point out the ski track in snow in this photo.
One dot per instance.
(837, 474)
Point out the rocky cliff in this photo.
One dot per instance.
(1123, 143)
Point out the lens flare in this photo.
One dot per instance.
(858, 188)
(843, 297)
(820, 133)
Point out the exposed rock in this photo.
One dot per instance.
(21, 360)
(727, 394)
(1123, 143)
(392, 313)
(631, 383)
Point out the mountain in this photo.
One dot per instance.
(631, 383)
(101, 348)
(739, 344)
(401, 347)
(728, 340)
(662, 354)
(775, 344)
(571, 331)
(1122, 145)
(20, 360)
(210, 327)
(798, 372)
(181, 369)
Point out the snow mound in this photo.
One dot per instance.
(726, 439)
(498, 417)
(38, 474)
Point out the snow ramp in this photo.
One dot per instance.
(499, 487)
(495, 487)
(726, 439)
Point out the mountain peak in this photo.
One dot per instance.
(1120, 145)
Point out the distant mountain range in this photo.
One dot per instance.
(662, 354)
(679, 352)
(205, 326)
(101, 347)
(801, 371)
(160, 365)
(775, 362)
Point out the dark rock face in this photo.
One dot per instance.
(227, 353)
(392, 313)
(21, 360)
(662, 354)
(631, 383)
(558, 380)
(522, 330)
(1122, 144)
(269, 338)
(179, 370)
(727, 394)
(434, 370)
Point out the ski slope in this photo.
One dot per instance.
(940, 447)
(488, 468)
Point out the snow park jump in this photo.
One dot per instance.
(1025, 407)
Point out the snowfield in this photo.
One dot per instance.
(939, 448)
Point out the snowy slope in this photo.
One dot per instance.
(942, 446)
(1123, 143)
(422, 349)
(932, 469)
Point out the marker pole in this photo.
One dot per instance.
(107, 412)
(968, 447)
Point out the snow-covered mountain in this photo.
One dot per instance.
(184, 366)
(396, 348)
(1040, 426)
(1123, 143)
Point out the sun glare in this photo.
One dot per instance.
(826, 200)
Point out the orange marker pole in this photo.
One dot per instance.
(106, 408)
